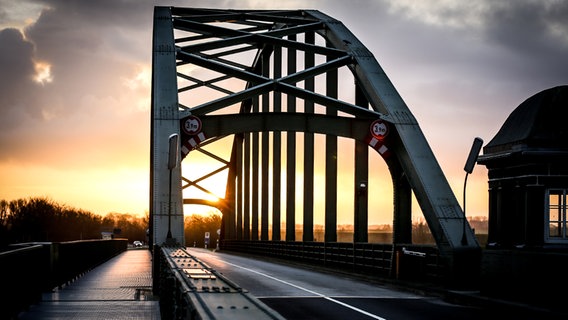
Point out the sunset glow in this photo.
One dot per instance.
(75, 90)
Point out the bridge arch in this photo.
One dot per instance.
(245, 73)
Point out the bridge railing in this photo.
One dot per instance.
(28, 269)
(74, 258)
(401, 262)
(190, 289)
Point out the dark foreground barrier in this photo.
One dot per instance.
(28, 269)
(534, 277)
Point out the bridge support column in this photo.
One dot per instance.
(165, 122)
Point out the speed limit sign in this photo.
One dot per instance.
(379, 129)
(192, 125)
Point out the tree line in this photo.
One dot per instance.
(41, 219)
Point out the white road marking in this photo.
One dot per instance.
(304, 289)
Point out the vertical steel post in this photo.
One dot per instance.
(247, 188)
(264, 154)
(255, 180)
(239, 181)
(276, 152)
(165, 121)
(331, 164)
(309, 84)
(361, 180)
(291, 154)
(402, 206)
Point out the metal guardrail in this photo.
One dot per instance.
(190, 289)
(74, 258)
(28, 269)
(402, 262)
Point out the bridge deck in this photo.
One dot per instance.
(121, 288)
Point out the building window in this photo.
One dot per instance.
(556, 230)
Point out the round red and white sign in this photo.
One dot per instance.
(192, 125)
(379, 129)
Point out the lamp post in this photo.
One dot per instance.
(468, 168)
(172, 163)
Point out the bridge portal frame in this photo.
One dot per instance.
(411, 161)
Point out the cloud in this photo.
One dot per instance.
(534, 35)
(458, 58)
(17, 86)
(507, 40)
(73, 77)
(17, 14)
(448, 13)
(461, 67)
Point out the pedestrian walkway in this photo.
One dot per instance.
(121, 288)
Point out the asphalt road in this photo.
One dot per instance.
(301, 293)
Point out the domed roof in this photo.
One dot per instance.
(540, 123)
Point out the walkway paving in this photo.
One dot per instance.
(121, 288)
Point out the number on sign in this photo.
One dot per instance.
(379, 129)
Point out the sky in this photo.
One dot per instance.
(75, 84)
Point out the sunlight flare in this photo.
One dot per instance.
(42, 72)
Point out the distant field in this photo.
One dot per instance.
(382, 237)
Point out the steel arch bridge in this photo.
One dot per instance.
(260, 82)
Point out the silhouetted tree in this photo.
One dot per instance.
(421, 233)
(41, 219)
(131, 226)
(195, 227)
(4, 214)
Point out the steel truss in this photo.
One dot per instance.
(260, 79)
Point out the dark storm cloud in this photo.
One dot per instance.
(528, 26)
(535, 37)
(495, 52)
(84, 41)
(3, 14)
(87, 24)
(524, 42)
(91, 48)
(16, 55)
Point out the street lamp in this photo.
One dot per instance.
(469, 164)
(172, 163)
